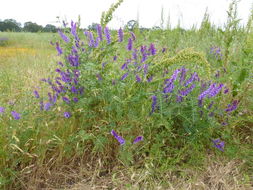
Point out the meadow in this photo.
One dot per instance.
(120, 109)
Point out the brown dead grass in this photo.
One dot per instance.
(218, 174)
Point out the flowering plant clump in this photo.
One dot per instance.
(102, 78)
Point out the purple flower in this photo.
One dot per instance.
(152, 49)
(74, 90)
(138, 139)
(60, 63)
(193, 78)
(36, 94)
(214, 91)
(47, 106)
(174, 75)
(75, 99)
(133, 36)
(118, 138)
(219, 144)
(67, 114)
(134, 54)
(187, 90)
(144, 53)
(206, 92)
(58, 48)
(233, 106)
(130, 44)
(163, 50)
(16, 115)
(120, 35)
(41, 105)
(145, 68)
(154, 104)
(73, 30)
(107, 35)
(73, 60)
(168, 88)
(65, 99)
(98, 76)
(91, 39)
(124, 76)
(96, 43)
(179, 98)
(226, 91)
(2, 109)
(63, 36)
(99, 32)
(210, 105)
(124, 66)
(183, 75)
(115, 58)
(149, 79)
(138, 78)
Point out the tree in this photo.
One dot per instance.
(10, 25)
(32, 27)
(131, 25)
(50, 28)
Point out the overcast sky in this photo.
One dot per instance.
(148, 11)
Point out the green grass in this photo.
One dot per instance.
(44, 150)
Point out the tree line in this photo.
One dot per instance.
(14, 26)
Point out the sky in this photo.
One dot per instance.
(148, 12)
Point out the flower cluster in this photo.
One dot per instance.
(121, 140)
(14, 114)
(216, 51)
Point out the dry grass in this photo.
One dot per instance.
(217, 174)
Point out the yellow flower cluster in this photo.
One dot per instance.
(6, 52)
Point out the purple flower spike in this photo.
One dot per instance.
(179, 98)
(2, 109)
(152, 49)
(133, 36)
(138, 78)
(47, 106)
(124, 66)
(226, 91)
(58, 48)
(107, 35)
(36, 94)
(124, 76)
(99, 32)
(120, 35)
(73, 30)
(219, 144)
(15, 115)
(233, 106)
(138, 139)
(119, 138)
(150, 78)
(67, 115)
(63, 36)
(75, 99)
(154, 104)
(65, 99)
(130, 44)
